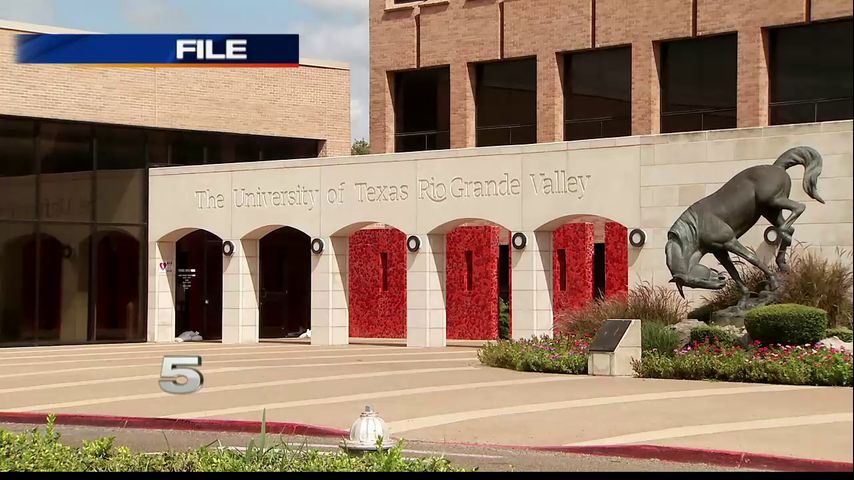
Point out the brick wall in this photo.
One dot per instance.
(458, 32)
(307, 102)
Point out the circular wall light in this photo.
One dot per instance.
(317, 246)
(227, 248)
(519, 240)
(772, 236)
(413, 243)
(67, 251)
(637, 237)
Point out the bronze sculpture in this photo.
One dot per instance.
(715, 223)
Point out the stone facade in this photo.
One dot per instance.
(457, 33)
(641, 182)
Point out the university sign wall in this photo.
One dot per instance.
(634, 183)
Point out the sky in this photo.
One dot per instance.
(328, 29)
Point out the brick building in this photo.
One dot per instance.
(76, 146)
(576, 69)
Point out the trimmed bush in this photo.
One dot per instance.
(786, 324)
(714, 334)
(656, 337)
(645, 302)
(841, 333)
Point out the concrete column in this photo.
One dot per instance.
(531, 297)
(752, 78)
(240, 293)
(161, 298)
(425, 295)
(462, 105)
(549, 97)
(646, 89)
(330, 320)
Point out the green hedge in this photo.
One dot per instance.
(714, 334)
(787, 324)
(841, 333)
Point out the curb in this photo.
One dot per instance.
(724, 458)
(188, 424)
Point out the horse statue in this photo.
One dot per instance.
(715, 223)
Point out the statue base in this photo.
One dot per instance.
(735, 315)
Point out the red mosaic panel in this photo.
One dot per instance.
(573, 280)
(616, 259)
(377, 283)
(472, 283)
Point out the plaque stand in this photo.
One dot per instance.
(617, 343)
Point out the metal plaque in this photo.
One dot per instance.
(609, 335)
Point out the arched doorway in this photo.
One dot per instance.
(198, 284)
(284, 294)
(118, 266)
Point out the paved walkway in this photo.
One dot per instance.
(431, 395)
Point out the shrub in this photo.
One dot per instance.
(797, 365)
(561, 354)
(786, 324)
(714, 334)
(812, 280)
(644, 302)
(841, 333)
(818, 282)
(503, 319)
(656, 337)
(34, 451)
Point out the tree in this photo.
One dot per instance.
(360, 147)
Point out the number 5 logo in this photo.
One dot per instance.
(177, 367)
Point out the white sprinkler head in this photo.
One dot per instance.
(366, 431)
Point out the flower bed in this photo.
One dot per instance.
(562, 354)
(778, 364)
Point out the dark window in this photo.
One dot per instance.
(699, 84)
(188, 148)
(811, 73)
(273, 148)
(118, 280)
(17, 282)
(64, 258)
(598, 94)
(422, 104)
(17, 169)
(74, 272)
(506, 102)
(65, 153)
(120, 175)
